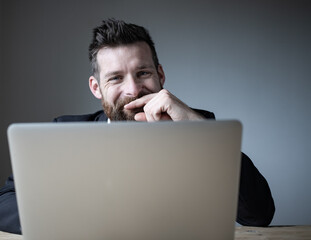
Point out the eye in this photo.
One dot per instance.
(143, 74)
(115, 78)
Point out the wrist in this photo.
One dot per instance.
(195, 116)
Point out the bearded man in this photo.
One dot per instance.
(129, 81)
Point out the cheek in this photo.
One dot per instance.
(153, 85)
(111, 94)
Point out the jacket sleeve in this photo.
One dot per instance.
(9, 218)
(256, 205)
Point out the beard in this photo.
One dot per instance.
(118, 113)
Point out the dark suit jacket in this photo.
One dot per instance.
(255, 206)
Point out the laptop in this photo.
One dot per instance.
(126, 181)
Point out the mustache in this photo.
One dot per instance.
(120, 105)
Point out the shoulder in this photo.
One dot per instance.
(93, 117)
(206, 114)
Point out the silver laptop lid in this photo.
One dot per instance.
(126, 180)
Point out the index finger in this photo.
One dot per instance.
(140, 102)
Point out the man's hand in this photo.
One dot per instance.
(162, 106)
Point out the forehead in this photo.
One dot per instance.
(129, 55)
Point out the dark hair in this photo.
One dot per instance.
(116, 32)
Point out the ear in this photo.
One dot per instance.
(94, 87)
(161, 75)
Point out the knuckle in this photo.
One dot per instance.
(165, 92)
(146, 109)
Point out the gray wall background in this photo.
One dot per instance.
(248, 60)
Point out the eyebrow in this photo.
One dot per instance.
(114, 73)
(145, 66)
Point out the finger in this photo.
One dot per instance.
(152, 113)
(165, 117)
(157, 117)
(140, 102)
(154, 110)
(140, 117)
(152, 117)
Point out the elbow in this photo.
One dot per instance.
(260, 218)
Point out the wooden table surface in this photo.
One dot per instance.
(273, 233)
(9, 236)
(241, 233)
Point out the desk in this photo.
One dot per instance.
(273, 233)
(9, 236)
(241, 233)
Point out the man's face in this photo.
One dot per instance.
(126, 72)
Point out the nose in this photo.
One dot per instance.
(132, 88)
